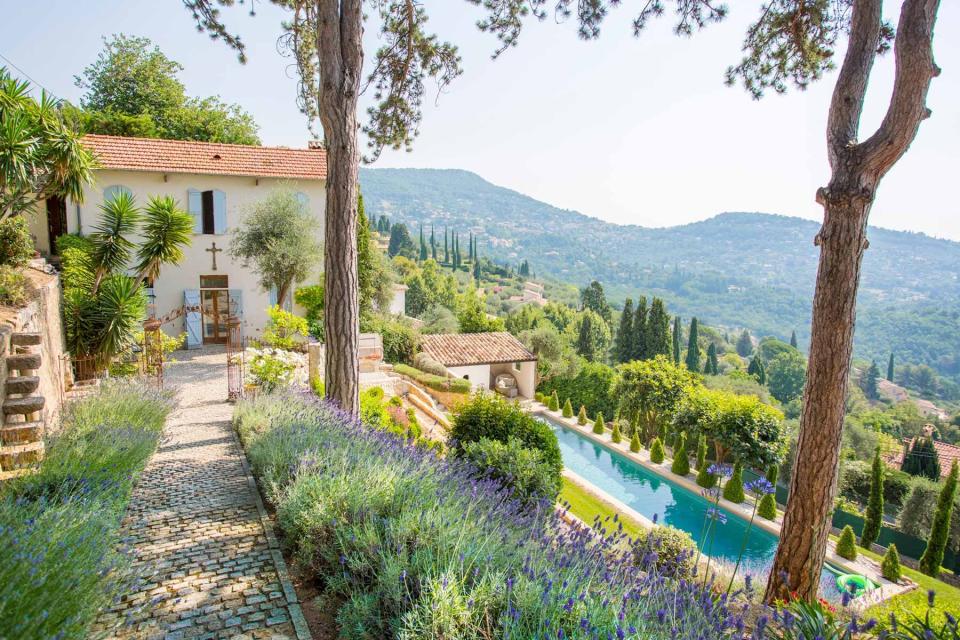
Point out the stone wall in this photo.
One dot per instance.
(41, 316)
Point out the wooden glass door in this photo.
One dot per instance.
(214, 308)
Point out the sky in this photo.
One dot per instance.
(633, 131)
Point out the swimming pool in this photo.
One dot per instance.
(653, 495)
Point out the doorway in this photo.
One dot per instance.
(214, 308)
(56, 220)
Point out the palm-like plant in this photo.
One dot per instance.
(40, 155)
(112, 248)
(167, 229)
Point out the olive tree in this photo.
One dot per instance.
(793, 42)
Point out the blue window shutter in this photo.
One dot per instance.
(195, 207)
(114, 190)
(236, 302)
(219, 212)
(191, 303)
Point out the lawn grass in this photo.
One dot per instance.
(947, 598)
(587, 507)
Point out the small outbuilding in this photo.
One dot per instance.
(487, 360)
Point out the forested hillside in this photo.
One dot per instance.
(735, 269)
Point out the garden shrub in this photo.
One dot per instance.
(554, 403)
(599, 427)
(657, 454)
(283, 329)
(272, 369)
(489, 416)
(847, 544)
(427, 364)
(439, 383)
(855, 478)
(733, 489)
(582, 416)
(311, 298)
(706, 479)
(890, 567)
(406, 546)
(60, 564)
(670, 550)
(16, 244)
(567, 409)
(589, 387)
(13, 287)
(767, 508)
(681, 461)
(517, 467)
(635, 445)
(401, 340)
(616, 436)
(773, 473)
(316, 385)
(539, 397)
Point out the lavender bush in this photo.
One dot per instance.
(411, 546)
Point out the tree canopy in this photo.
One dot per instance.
(653, 388)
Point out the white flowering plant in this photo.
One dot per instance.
(271, 369)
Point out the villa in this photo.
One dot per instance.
(215, 183)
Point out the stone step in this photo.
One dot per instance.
(21, 432)
(18, 456)
(23, 362)
(23, 384)
(15, 473)
(23, 406)
(24, 339)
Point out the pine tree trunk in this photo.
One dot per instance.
(340, 44)
(857, 169)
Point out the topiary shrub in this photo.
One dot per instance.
(681, 462)
(890, 567)
(567, 409)
(701, 452)
(847, 544)
(539, 397)
(635, 442)
(706, 479)
(657, 453)
(598, 425)
(668, 551)
(733, 490)
(554, 402)
(772, 474)
(767, 509)
(582, 416)
(521, 469)
(16, 245)
(489, 416)
(617, 436)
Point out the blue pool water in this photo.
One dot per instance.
(652, 495)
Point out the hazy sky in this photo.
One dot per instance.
(631, 131)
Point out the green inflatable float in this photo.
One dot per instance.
(854, 584)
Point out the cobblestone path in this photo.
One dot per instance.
(208, 562)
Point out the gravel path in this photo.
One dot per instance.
(209, 564)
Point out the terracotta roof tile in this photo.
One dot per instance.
(187, 156)
(946, 454)
(460, 349)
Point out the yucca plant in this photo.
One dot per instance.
(112, 248)
(167, 229)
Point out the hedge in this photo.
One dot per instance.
(440, 383)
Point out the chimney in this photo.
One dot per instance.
(315, 144)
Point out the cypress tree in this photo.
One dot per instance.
(677, 329)
(635, 423)
(874, 516)
(793, 339)
(767, 508)
(744, 344)
(635, 442)
(890, 567)
(639, 349)
(847, 544)
(940, 531)
(922, 459)
(756, 369)
(582, 416)
(658, 330)
(693, 347)
(701, 452)
(623, 344)
(585, 345)
(446, 248)
(733, 490)
(476, 271)
(617, 436)
(681, 461)
(423, 246)
(868, 381)
(656, 451)
(433, 245)
(713, 365)
(772, 474)
(890, 368)
(598, 425)
(567, 409)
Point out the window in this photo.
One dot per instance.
(213, 282)
(113, 191)
(516, 366)
(466, 377)
(206, 204)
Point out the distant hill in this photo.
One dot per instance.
(751, 270)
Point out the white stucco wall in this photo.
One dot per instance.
(526, 377)
(241, 192)
(479, 374)
(398, 305)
